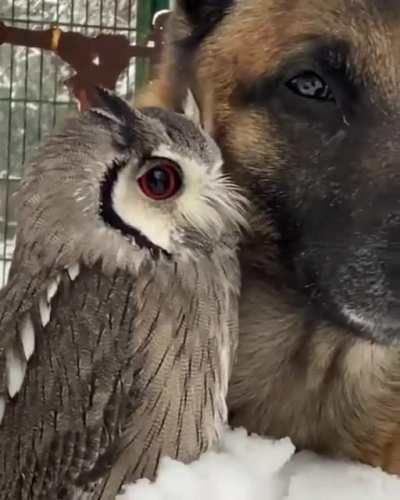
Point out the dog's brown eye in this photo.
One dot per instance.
(309, 84)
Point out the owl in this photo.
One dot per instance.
(119, 322)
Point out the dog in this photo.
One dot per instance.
(305, 104)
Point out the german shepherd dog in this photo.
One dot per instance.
(306, 108)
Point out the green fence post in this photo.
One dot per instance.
(145, 12)
(160, 5)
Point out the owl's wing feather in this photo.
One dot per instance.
(75, 392)
(27, 294)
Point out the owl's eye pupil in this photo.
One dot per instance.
(158, 181)
(161, 182)
(310, 85)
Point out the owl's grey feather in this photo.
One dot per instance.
(116, 348)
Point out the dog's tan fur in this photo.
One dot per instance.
(318, 383)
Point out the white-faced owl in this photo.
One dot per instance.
(119, 322)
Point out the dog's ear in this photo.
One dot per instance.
(203, 15)
(200, 10)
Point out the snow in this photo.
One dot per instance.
(246, 467)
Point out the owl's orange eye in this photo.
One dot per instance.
(161, 182)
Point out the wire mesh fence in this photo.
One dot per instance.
(33, 97)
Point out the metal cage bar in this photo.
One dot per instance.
(145, 14)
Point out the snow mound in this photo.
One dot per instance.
(246, 467)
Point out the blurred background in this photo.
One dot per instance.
(33, 94)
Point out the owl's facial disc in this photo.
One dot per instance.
(133, 201)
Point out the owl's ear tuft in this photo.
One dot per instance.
(109, 105)
(191, 109)
(117, 112)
